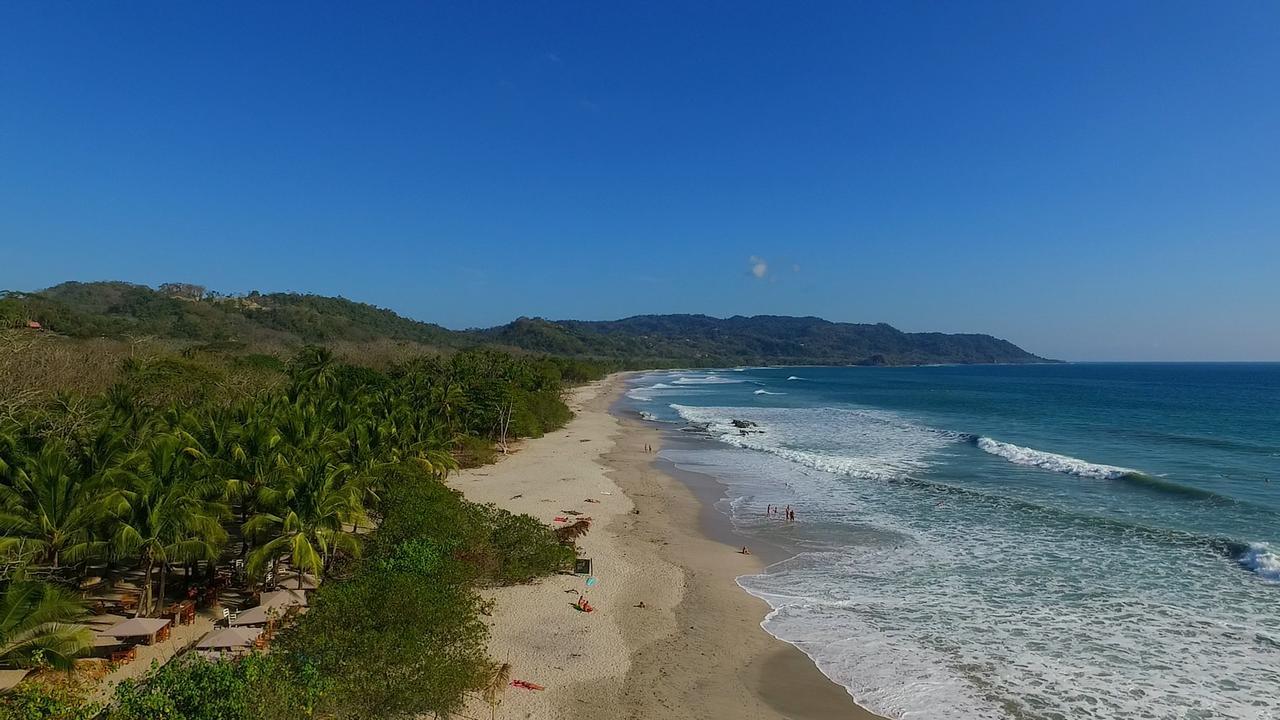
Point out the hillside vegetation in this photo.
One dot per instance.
(209, 479)
(285, 321)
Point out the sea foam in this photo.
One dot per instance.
(931, 589)
(1052, 461)
(852, 442)
(711, 379)
(1263, 561)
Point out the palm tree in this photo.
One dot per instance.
(9, 452)
(168, 511)
(313, 369)
(317, 501)
(250, 461)
(450, 400)
(36, 626)
(49, 507)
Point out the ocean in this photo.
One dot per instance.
(1036, 541)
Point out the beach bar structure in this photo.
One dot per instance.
(272, 606)
(153, 630)
(228, 641)
(9, 679)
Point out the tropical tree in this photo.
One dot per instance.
(37, 626)
(168, 511)
(313, 369)
(49, 507)
(250, 460)
(317, 501)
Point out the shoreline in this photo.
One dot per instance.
(696, 648)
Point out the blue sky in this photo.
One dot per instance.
(1092, 180)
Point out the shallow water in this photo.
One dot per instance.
(1009, 542)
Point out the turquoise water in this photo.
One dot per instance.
(1049, 541)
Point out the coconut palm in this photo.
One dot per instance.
(168, 511)
(37, 626)
(313, 369)
(49, 507)
(311, 509)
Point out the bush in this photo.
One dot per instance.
(472, 451)
(259, 687)
(422, 519)
(416, 506)
(34, 701)
(524, 548)
(536, 414)
(392, 645)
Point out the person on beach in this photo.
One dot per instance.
(744, 551)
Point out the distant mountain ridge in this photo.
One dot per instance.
(762, 339)
(189, 313)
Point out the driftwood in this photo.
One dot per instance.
(571, 532)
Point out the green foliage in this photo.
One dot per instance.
(402, 636)
(525, 548)
(472, 452)
(37, 626)
(164, 473)
(32, 701)
(119, 309)
(258, 687)
(699, 340)
(391, 645)
(422, 517)
(537, 413)
(417, 557)
(414, 506)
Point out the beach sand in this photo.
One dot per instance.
(696, 648)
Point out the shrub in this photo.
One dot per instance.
(259, 687)
(391, 645)
(472, 451)
(36, 701)
(524, 547)
(416, 506)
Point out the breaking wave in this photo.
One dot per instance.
(1260, 559)
(1094, 471)
(711, 379)
(766, 392)
(843, 441)
(1052, 461)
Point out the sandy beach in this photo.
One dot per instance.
(672, 635)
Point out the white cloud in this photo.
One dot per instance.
(759, 267)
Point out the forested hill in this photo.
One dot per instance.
(758, 340)
(188, 313)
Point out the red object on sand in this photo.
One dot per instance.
(526, 685)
